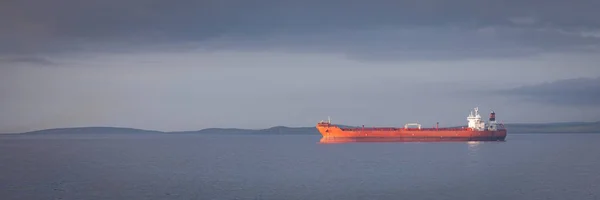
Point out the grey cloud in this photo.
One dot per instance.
(12, 60)
(447, 29)
(523, 20)
(578, 92)
(423, 43)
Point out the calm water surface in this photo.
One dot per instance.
(90, 167)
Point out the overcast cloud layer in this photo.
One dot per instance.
(365, 30)
(181, 65)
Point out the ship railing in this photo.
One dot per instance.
(369, 129)
(404, 129)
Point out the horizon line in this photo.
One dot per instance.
(256, 129)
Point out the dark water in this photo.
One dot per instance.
(90, 167)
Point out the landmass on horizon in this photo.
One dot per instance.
(514, 128)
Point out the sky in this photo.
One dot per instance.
(187, 65)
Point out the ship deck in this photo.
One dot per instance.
(402, 129)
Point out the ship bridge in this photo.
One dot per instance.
(475, 121)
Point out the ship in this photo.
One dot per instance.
(476, 130)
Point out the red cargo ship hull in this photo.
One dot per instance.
(335, 134)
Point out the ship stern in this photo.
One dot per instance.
(500, 135)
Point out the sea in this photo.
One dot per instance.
(212, 166)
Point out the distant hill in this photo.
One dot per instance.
(563, 127)
(277, 130)
(558, 127)
(516, 128)
(214, 130)
(94, 130)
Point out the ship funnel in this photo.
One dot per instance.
(492, 116)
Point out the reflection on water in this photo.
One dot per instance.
(473, 144)
(472, 154)
(332, 140)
